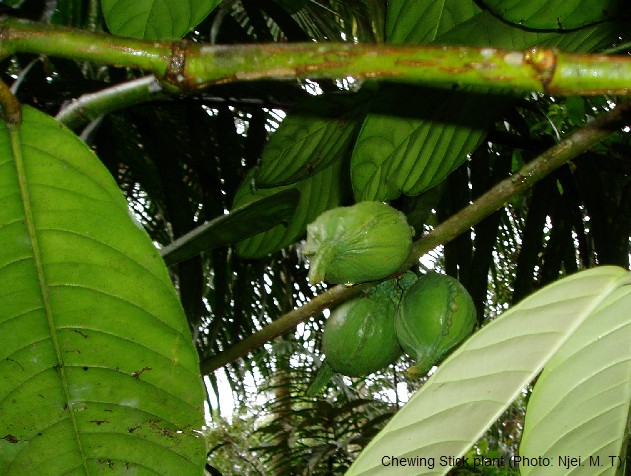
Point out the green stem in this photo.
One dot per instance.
(326, 300)
(27, 37)
(190, 67)
(495, 198)
(90, 106)
(93, 14)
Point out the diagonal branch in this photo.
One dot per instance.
(566, 150)
(90, 106)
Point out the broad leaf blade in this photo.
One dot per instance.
(484, 29)
(97, 369)
(421, 21)
(240, 223)
(472, 388)
(554, 14)
(414, 137)
(315, 133)
(155, 19)
(580, 404)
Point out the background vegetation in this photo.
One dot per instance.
(183, 158)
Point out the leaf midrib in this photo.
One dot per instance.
(16, 149)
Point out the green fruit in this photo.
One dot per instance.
(435, 314)
(359, 337)
(365, 242)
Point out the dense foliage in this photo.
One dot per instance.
(183, 160)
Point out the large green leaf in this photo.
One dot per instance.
(586, 40)
(554, 14)
(240, 223)
(315, 133)
(473, 387)
(317, 194)
(413, 138)
(98, 373)
(155, 19)
(580, 404)
(421, 21)
(484, 29)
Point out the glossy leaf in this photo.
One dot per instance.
(554, 14)
(315, 133)
(484, 29)
(421, 21)
(240, 223)
(413, 138)
(586, 40)
(155, 19)
(473, 387)
(317, 194)
(98, 373)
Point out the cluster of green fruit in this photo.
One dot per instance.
(426, 317)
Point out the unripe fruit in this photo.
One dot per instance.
(365, 242)
(435, 314)
(359, 337)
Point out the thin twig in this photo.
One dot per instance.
(90, 106)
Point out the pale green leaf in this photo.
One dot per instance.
(317, 194)
(474, 386)
(240, 223)
(554, 14)
(98, 373)
(419, 22)
(580, 405)
(315, 133)
(155, 19)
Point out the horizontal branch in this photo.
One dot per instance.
(494, 199)
(190, 67)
